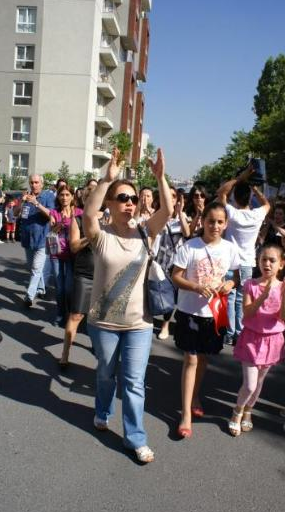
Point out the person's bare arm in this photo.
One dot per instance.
(158, 220)
(250, 306)
(185, 228)
(227, 286)
(178, 278)
(75, 242)
(261, 199)
(91, 225)
(225, 189)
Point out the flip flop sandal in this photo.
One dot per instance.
(234, 426)
(144, 454)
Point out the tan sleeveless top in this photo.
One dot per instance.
(118, 298)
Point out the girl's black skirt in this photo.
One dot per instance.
(197, 334)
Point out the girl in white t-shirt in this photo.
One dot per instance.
(199, 272)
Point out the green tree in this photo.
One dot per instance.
(80, 179)
(49, 179)
(13, 182)
(265, 140)
(63, 171)
(270, 95)
(144, 176)
(122, 141)
(237, 153)
(268, 142)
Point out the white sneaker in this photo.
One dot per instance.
(1, 242)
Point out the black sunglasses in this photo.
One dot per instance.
(124, 198)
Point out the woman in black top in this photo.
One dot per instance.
(82, 284)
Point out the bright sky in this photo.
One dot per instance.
(205, 59)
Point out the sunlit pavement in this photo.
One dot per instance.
(53, 460)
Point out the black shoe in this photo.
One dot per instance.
(28, 302)
(41, 295)
(228, 340)
(1, 337)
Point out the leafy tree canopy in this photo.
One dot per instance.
(270, 95)
(265, 140)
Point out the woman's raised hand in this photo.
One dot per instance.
(114, 168)
(158, 168)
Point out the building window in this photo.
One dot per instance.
(23, 92)
(21, 127)
(19, 164)
(25, 56)
(26, 19)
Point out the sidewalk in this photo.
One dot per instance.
(53, 460)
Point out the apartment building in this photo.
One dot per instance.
(71, 73)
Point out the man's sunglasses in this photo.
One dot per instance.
(124, 198)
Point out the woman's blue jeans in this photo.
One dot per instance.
(133, 347)
(63, 276)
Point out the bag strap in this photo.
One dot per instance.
(171, 237)
(210, 259)
(143, 232)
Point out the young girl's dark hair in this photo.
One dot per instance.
(277, 247)
(214, 205)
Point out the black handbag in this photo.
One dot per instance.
(160, 290)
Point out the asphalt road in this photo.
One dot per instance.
(53, 460)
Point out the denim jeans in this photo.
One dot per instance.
(36, 261)
(63, 277)
(235, 301)
(134, 348)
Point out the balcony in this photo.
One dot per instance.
(106, 85)
(110, 18)
(102, 148)
(108, 51)
(104, 117)
(146, 5)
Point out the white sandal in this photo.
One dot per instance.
(234, 426)
(246, 425)
(144, 454)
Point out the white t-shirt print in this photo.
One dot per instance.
(206, 265)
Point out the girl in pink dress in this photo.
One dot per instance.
(261, 342)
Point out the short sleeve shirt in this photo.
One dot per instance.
(243, 228)
(206, 265)
(35, 225)
(266, 319)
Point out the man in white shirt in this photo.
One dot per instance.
(243, 227)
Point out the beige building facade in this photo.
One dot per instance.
(70, 75)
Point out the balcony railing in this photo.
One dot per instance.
(108, 42)
(106, 78)
(103, 111)
(101, 144)
(110, 7)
